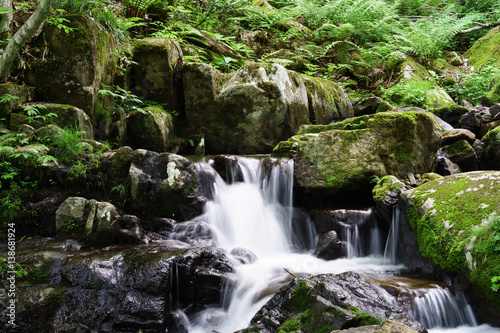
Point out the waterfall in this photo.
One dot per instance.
(439, 308)
(391, 253)
(251, 210)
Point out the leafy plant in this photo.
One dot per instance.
(137, 8)
(472, 86)
(34, 112)
(5, 267)
(59, 23)
(10, 207)
(7, 98)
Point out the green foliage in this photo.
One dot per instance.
(10, 207)
(124, 99)
(425, 39)
(35, 112)
(472, 86)
(5, 267)
(68, 145)
(7, 98)
(59, 23)
(411, 93)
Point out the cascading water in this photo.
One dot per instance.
(253, 211)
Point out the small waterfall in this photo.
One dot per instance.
(391, 253)
(439, 308)
(360, 232)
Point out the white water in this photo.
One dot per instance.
(257, 214)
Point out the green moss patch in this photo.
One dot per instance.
(485, 50)
(448, 214)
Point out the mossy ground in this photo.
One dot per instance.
(448, 215)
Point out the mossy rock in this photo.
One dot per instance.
(344, 155)
(327, 101)
(151, 128)
(493, 96)
(450, 114)
(485, 50)
(492, 149)
(82, 61)
(156, 71)
(247, 112)
(452, 220)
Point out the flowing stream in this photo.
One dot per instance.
(252, 211)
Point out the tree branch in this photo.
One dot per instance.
(479, 27)
(22, 36)
(6, 20)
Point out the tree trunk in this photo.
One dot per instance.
(6, 20)
(22, 36)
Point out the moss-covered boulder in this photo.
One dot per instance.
(151, 128)
(492, 96)
(485, 50)
(344, 155)
(386, 196)
(370, 105)
(327, 101)
(253, 109)
(450, 114)
(94, 222)
(326, 303)
(462, 154)
(414, 88)
(492, 149)
(157, 69)
(81, 62)
(456, 223)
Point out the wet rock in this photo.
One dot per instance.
(386, 196)
(454, 135)
(243, 255)
(388, 326)
(328, 301)
(340, 157)
(196, 233)
(444, 166)
(329, 246)
(164, 185)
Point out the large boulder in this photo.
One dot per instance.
(251, 110)
(157, 69)
(150, 128)
(326, 303)
(344, 155)
(164, 185)
(81, 62)
(454, 221)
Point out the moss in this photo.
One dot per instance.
(484, 50)
(386, 185)
(299, 298)
(428, 177)
(445, 215)
(41, 315)
(459, 147)
(446, 111)
(361, 319)
(492, 137)
(493, 96)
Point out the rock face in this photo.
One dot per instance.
(83, 60)
(164, 185)
(386, 196)
(24, 94)
(114, 290)
(253, 109)
(345, 155)
(325, 303)
(157, 71)
(454, 219)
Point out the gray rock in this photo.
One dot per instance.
(455, 135)
(329, 246)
